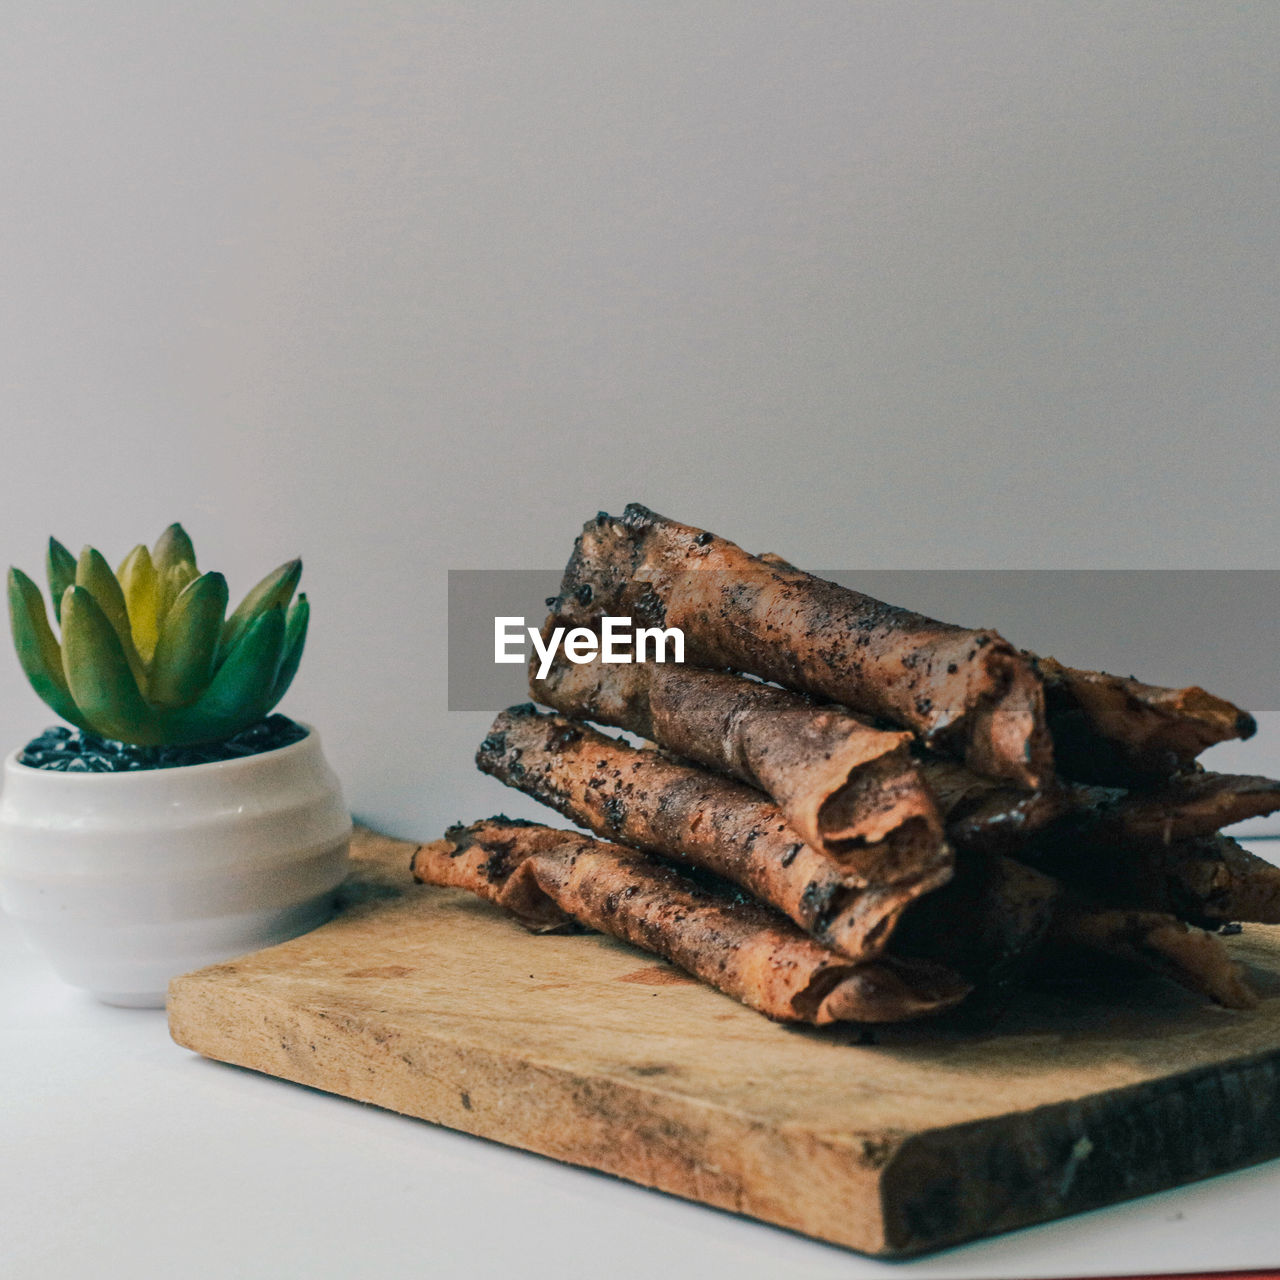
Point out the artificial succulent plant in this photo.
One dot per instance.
(148, 654)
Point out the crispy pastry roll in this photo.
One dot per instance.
(1209, 881)
(644, 799)
(1191, 957)
(749, 952)
(987, 923)
(966, 692)
(483, 857)
(845, 787)
(1117, 731)
(985, 814)
(1214, 881)
(1193, 804)
(981, 813)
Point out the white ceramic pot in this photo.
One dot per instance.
(125, 880)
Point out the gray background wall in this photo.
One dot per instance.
(414, 286)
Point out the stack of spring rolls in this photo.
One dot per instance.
(844, 811)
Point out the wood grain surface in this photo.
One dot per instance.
(431, 1003)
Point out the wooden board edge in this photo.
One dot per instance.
(823, 1186)
(947, 1186)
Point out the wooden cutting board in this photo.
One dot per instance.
(433, 1004)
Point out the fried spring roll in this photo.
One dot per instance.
(969, 693)
(1209, 881)
(1192, 958)
(980, 813)
(1117, 731)
(987, 923)
(739, 947)
(641, 798)
(845, 787)
(1216, 881)
(483, 857)
(1195, 804)
(984, 814)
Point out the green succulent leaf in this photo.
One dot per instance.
(60, 565)
(99, 675)
(148, 654)
(274, 591)
(175, 563)
(172, 547)
(241, 691)
(94, 574)
(37, 647)
(140, 583)
(295, 637)
(175, 580)
(188, 645)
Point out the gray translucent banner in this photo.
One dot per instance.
(1217, 628)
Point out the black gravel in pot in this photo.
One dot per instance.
(75, 751)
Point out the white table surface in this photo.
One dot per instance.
(124, 1155)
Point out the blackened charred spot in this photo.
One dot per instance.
(551, 601)
(501, 819)
(564, 735)
(647, 608)
(615, 812)
(816, 903)
(583, 595)
(494, 744)
(791, 854)
(952, 668)
(497, 866)
(637, 516)
(705, 539)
